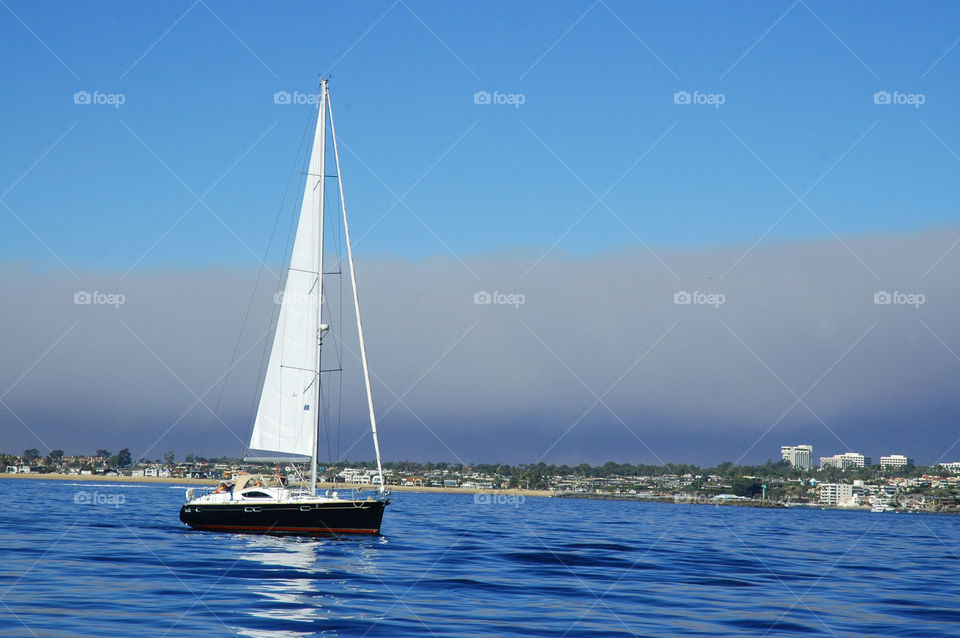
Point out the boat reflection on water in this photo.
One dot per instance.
(298, 581)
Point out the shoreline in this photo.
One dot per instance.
(99, 478)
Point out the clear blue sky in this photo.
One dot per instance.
(598, 82)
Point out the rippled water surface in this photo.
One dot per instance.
(124, 565)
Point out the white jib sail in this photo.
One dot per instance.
(287, 414)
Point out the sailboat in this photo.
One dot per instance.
(288, 415)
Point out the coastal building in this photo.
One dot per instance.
(358, 476)
(840, 494)
(799, 456)
(22, 469)
(895, 461)
(951, 467)
(156, 471)
(846, 460)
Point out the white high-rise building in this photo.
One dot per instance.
(846, 460)
(895, 461)
(799, 456)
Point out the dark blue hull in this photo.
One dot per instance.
(346, 517)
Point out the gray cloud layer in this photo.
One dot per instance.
(598, 363)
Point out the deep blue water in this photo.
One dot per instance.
(446, 566)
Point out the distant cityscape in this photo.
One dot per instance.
(801, 457)
(846, 480)
(903, 492)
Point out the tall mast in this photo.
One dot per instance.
(356, 300)
(322, 134)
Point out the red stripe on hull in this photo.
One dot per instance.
(272, 528)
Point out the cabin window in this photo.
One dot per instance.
(255, 495)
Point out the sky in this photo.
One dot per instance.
(588, 161)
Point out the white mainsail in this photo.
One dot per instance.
(287, 415)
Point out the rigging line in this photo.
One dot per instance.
(338, 347)
(246, 315)
(339, 412)
(327, 423)
(275, 310)
(335, 234)
(339, 249)
(327, 405)
(323, 411)
(324, 407)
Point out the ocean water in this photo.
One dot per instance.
(97, 559)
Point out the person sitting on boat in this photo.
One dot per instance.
(223, 487)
